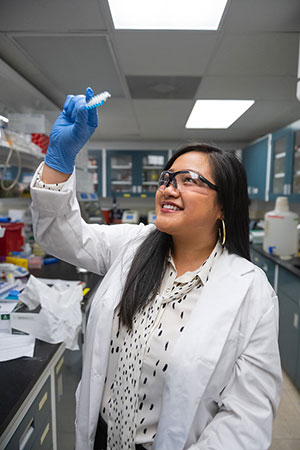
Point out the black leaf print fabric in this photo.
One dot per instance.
(141, 359)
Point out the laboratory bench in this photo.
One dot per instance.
(284, 276)
(33, 408)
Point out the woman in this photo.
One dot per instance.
(181, 350)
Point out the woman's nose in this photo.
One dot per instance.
(171, 190)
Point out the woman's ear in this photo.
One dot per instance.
(221, 214)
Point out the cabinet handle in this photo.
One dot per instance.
(265, 267)
(26, 435)
(43, 400)
(45, 432)
(296, 321)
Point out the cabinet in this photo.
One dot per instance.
(296, 164)
(95, 168)
(254, 158)
(285, 163)
(265, 264)
(289, 333)
(35, 430)
(134, 173)
(272, 164)
(67, 376)
(280, 163)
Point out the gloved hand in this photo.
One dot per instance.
(72, 129)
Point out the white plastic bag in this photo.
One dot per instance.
(59, 319)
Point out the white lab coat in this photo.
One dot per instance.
(223, 384)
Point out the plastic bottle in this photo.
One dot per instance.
(281, 234)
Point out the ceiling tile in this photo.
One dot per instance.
(264, 16)
(162, 87)
(164, 53)
(74, 63)
(117, 119)
(247, 87)
(61, 16)
(274, 54)
(17, 94)
(162, 118)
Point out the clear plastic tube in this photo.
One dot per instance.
(98, 100)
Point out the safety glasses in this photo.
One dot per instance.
(185, 180)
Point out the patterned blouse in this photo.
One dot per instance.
(139, 359)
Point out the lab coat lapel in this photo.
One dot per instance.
(100, 323)
(198, 350)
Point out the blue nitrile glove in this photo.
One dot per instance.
(72, 129)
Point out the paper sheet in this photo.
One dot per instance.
(14, 346)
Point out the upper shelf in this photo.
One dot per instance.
(31, 155)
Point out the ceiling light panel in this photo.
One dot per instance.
(217, 113)
(167, 14)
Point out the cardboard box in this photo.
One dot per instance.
(22, 319)
(6, 308)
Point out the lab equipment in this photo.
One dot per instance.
(17, 271)
(151, 216)
(6, 288)
(130, 216)
(13, 239)
(98, 100)
(71, 130)
(90, 207)
(281, 234)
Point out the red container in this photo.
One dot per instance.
(13, 240)
(42, 140)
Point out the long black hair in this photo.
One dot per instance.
(149, 264)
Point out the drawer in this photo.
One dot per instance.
(289, 284)
(27, 432)
(44, 438)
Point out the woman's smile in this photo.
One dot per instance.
(170, 207)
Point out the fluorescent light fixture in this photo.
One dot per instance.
(217, 113)
(4, 119)
(167, 14)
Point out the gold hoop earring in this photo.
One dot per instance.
(222, 236)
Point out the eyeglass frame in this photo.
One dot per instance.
(172, 178)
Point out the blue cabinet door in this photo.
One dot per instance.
(95, 167)
(264, 263)
(295, 169)
(281, 163)
(122, 173)
(254, 159)
(288, 334)
(134, 173)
